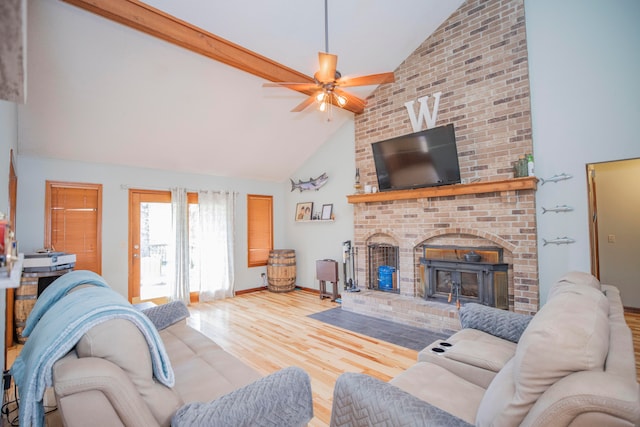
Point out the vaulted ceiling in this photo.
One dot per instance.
(245, 130)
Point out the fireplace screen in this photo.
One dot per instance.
(382, 260)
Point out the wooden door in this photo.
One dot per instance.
(593, 223)
(140, 203)
(10, 293)
(149, 238)
(73, 222)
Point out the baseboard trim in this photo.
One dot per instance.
(265, 288)
(248, 291)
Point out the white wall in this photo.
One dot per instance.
(8, 141)
(322, 240)
(584, 64)
(98, 89)
(31, 188)
(618, 201)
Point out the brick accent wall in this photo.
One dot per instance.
(477, 59)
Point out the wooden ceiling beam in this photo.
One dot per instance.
(152, 21)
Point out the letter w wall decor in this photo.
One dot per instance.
(424, 113)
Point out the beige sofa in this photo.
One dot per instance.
(111, 364)
(108, 380)
(573, 365)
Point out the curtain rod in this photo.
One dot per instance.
(189, 190)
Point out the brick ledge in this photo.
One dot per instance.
(431, 315)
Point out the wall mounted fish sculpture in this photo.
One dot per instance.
(312, 184)
(558, 208)
(558, 241)
(556, 178)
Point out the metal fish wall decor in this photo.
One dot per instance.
(312, 184)
(558, 241)
(556, 178)
(558, 208)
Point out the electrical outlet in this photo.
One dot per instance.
(611, 238)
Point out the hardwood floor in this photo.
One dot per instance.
(633, 320)
(270, 331)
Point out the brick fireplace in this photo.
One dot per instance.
(477, 62)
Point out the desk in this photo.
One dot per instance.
(327, 271)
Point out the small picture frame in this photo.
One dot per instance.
(304, 211)
(326, 211)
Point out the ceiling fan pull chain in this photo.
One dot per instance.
(326, 27)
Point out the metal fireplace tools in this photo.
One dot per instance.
(349, 264)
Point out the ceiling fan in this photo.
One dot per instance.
(328, 82)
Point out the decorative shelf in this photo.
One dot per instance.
(526, 183)
(13, 281)
(315, 220)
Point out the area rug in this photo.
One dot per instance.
(385, 330)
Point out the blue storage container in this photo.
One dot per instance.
(385, 277)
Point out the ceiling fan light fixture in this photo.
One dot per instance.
(328, 79)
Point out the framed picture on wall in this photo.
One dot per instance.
(326, 211)
(304, 211)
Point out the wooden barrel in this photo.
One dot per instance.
(27, 293)
(25, 298)
(281, 270)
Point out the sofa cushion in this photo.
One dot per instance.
(108, 340)
(485, 355)
(204, 371)
(441, 388)
(574, 278)
(500, 323)
(165, 315)
(466, 368)
(569, 334)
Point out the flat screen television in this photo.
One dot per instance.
(423, 159)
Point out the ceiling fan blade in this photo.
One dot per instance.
(372, 79)
(327, 71)
(353, 102)
(304, 104)
(294, 86)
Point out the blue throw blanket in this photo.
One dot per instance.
(58, 289)
(62, 323)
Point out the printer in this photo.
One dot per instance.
(48, 261)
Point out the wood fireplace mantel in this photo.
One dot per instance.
(526, 183)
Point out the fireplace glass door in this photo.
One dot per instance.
(483, 283)
(465, 282)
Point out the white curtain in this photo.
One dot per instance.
(216, 237)
(180, 249)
